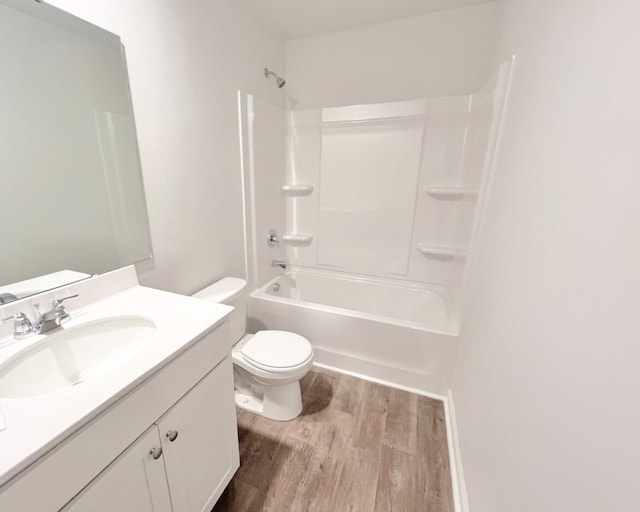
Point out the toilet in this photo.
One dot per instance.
(267, 365)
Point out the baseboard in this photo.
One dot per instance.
(460, 502)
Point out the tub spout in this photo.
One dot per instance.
(283, 264)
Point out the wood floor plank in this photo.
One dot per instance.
(371, 422)
(293, 461)
(330, 431)
(323, 383)
(257, 451)
(241, 496)
(398, 486)
(357, 447)
(357, 457)
(402, 421)
(348, 394)
(316, 483)
(354, 488)
(266, 427)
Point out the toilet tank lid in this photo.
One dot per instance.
(222, 291)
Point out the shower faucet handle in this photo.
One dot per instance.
(273, 240)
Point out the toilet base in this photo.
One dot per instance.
(280, 402)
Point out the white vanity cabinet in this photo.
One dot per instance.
(135, 481)
(203, 455)
(192, 448)
(167, 442)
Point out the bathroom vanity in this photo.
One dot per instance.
(148, 425)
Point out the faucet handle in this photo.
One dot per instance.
(58, 302)
(22, 326)
(59, 310)
(273, 240)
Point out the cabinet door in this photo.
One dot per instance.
(200, 442)
(134, 482)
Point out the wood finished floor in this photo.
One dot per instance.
(357, 446)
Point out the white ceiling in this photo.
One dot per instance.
(292, 19)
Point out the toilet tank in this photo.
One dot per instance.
(230, 291)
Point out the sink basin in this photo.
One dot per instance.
(70, 356)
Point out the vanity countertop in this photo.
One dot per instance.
(36, 424)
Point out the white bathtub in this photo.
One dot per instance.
(403, 335)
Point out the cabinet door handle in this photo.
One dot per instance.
(156, 453)
(172, 435)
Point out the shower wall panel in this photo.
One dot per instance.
(370, 165)
(368, 178)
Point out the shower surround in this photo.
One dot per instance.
(377, 207)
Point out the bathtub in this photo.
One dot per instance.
(402, 335)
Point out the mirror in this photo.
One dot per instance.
(71, 196)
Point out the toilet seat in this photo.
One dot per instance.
(277, 351)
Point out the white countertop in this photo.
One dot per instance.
(36, 424)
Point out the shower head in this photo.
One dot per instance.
(279, 80)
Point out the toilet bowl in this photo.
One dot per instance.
(267, 365)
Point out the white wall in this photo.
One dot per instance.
(441, 54)
(547, 382)
(186, 61)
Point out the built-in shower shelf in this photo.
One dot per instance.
(450, 193)
(298, 190)
(441, 252)
(297, 238)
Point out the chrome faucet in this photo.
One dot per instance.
(53, 318)
(283, 264)
(45, 322)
